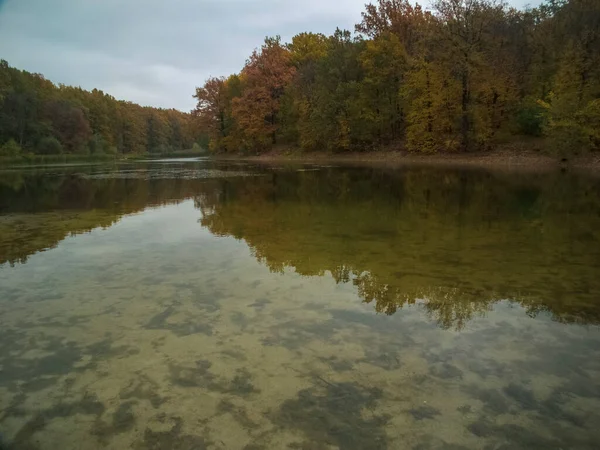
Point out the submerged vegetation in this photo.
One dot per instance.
(184, 305)
(464, 75)
(208, 304)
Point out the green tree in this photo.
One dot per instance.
(385, 63)
(49, 146)
(10, 149)
(573, 102)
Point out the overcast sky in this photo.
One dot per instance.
(155, 52)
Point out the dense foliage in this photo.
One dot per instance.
(462, 76)
(39, 117)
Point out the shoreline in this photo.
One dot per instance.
(496, 159)
(499, 159)
(33, 159)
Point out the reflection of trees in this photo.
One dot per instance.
(456, 242)
(24, 235)
(37, 212)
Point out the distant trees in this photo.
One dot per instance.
(459, 77)
(49, 146)
(69, 125)
(10, 149)
(39, 117)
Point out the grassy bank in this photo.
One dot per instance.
(527, 154)
(178, 154)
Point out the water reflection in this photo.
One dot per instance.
(216, 306)
(455, 242)
(38, 209)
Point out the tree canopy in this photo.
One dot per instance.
(37, 116)
(463, 76)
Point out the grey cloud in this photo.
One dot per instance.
(149, 51)
(154, 52)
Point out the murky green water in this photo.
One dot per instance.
(181, 305)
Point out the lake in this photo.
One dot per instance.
(220, 305)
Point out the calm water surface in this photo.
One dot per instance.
(202, 305)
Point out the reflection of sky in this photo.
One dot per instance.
(154, 233)
(156, 228)
(165, 225)
(150, 51)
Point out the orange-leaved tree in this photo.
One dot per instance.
(264, 79)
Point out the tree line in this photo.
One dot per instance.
(39, 117)
(464, 75)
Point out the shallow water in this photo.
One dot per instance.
(190, 305)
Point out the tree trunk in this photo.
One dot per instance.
(465, 123)
(429, 105)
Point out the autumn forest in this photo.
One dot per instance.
(458, 76)
(38, 117)
(462, 75)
